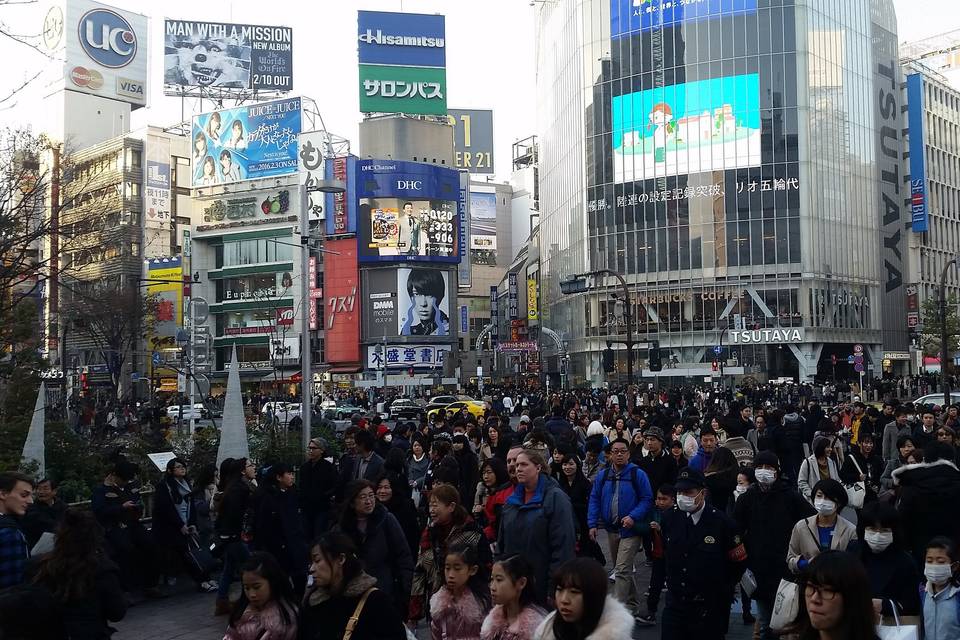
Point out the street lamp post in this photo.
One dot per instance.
(943, 330)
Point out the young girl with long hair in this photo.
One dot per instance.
(459, 607)
(516, 614)
(584, 610)
(267, 607)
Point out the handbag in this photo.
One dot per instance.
(352, 622)
(900, 630)
(200, 556)
(748, 583)
(786, 605)
(856, 491)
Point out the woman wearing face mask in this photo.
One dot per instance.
(825, 531)
(941, 595)
(893, 574)
(766, 514)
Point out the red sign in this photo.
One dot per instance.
(285, 317)
(340, 224)
(342, 308)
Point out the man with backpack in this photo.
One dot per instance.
(620, 499)
(16, 494)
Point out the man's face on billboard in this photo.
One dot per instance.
(424, 305)
(408, 209)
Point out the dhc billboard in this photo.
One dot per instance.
(919, 213)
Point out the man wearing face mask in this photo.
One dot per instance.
(705, 558)
(766, 514)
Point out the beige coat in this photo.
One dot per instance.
(805, 542)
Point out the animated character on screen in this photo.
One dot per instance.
(229, 169)
(661, 118)
(413, 222)
(426, 289)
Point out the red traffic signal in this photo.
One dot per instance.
(410, 372)
(715, 366)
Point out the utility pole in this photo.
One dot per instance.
(943, 333)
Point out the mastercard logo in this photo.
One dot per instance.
(89, 78)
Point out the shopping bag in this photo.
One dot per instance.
(901, 628)
(856, 491)
(786, 605)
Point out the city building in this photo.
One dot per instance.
(933, 105)
(740, 164)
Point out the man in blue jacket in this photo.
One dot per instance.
(620, 499)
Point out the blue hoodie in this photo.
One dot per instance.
(635, 499)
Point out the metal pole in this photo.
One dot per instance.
(306, 370)
(628, 312)
(943, 331)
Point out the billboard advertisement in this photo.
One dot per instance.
(312, 168)
(423, 302)
(253, 208)
(165, 286)
(342, 311)
(414, 39)
(465, 270)
(483, 228)
(246, 143)
(381, 306)
(630, 16)
(533, 312)
(156, 191)
(106, 52)
(472, 139)
(707, 125)
(227, 56)
(919, 214)
(418, 356)
(407, 212)
(341, 214)
(397, 89)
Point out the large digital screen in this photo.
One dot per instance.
(246, 143)
(629, 16)
(483, 228)
(407, 212)
(226, 55)
(693, 127)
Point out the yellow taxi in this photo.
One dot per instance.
(476, 408)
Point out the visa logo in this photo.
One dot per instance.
(132, 88)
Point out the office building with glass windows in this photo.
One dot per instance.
(739, 163)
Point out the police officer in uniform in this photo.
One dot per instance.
(705, 559)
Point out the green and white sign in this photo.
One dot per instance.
(397, 89)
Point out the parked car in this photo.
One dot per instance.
(285, 412)
(340, 409)
(474, 407)
(405, 409)
(185, 412)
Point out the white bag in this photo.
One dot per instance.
(856, 491)
(786, 605)
(748, 583)
(899, 632)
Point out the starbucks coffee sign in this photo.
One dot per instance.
(777, 335)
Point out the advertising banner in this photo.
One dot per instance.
(408, 212)
(423, 302)
(245, 143)
(165, 285)
(629, 16)
(919, 215)
(415, 39)
(342, 207)
(106, 52)
(513, 304)
(313, 293)
(394, 89)
(464, 319)
(532, 312)
(694, 127)
(381, 305)
(472, 139)
(418, 356)
(465, 270)
(227, 56)
(156, 192)
(264, 206)
(342, 312)
(494, 314)
(483, 228)
(312, 168)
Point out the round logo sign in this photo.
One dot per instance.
(53, 28)
(89, 78)
(107, 38)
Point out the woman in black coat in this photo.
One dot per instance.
(893, 575)
(577, 487)
(339, 584)
(390, 493)
(864, 463)
(382, 546)
(277, 527)
(174, 524)
(721, 478)
(316, 486)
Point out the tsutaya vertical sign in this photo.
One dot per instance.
(513, 305)
(890, 200)
(919, 214)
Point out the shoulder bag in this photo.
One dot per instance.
(352, 622)
(856, 491)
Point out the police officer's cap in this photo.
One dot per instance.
(689, 479)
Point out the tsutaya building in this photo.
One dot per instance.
(739, 162)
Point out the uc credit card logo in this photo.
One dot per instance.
(107, 38)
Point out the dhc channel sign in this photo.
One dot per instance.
(107, 38)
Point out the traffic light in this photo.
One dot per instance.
(653, 357)
(608, 366)
(715, 366)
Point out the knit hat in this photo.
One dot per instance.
(655, 432)
(595, 429)
(767, 458)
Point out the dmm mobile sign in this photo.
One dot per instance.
(919, 214)
(106, 52)
(407, 212)
(629, 16)
(225, 55)
(246, 143)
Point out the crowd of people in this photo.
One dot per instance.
(532, 520)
